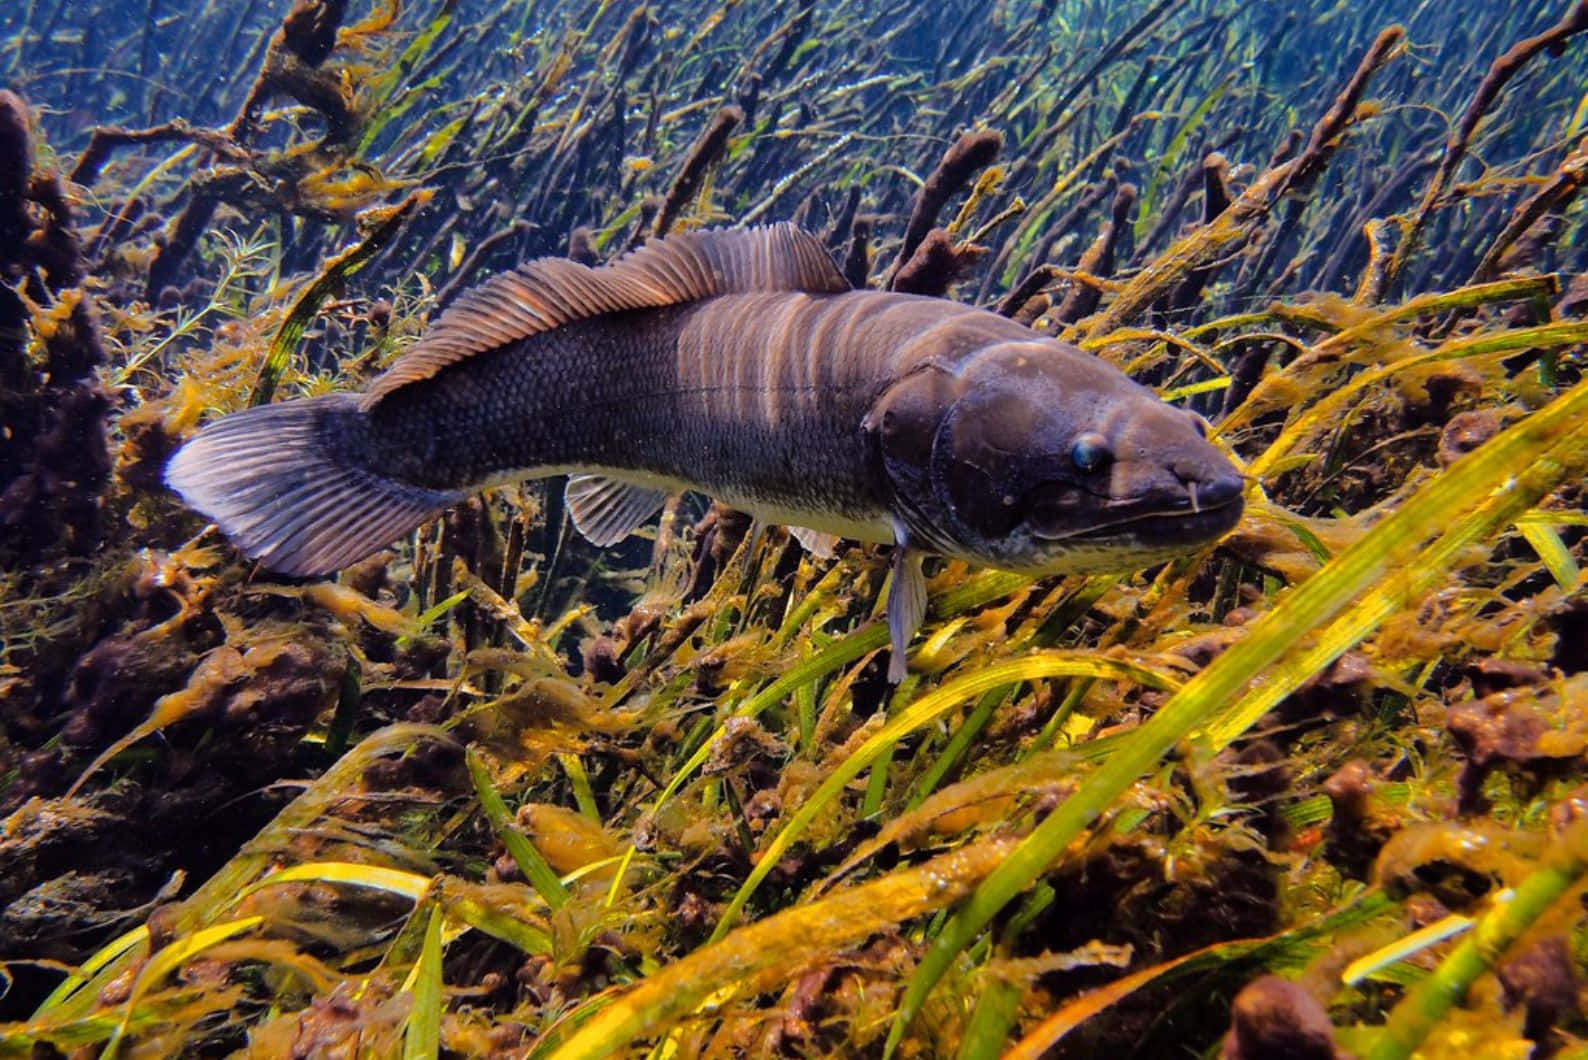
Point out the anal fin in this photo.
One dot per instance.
(906, 606)
(606, 510)
(817, 543)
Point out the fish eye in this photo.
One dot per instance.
(1090, 452)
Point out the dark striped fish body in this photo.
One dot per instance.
(756, 399)
(736, 364)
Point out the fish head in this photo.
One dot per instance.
(1036, 456)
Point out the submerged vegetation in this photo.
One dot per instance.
(1322, 787)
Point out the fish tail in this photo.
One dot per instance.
(293, 485)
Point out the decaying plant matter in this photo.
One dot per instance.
(493, 791)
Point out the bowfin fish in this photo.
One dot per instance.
(738, 364)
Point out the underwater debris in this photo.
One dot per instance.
(695, 728)
(54, 457)
(1541, 210)
(107, 138)
(1361, 821)
(1542, 980)
(706, 152)
(581, 248)
(1273, 1017)
(857, 259)
(1216, 198)
(298, 49)
(936, 264)
(971, 153)
(1097, 262)
(1534, 724)
(1464, 432)
(1235, 223)
(1031, 285)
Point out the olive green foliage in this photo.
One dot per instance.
(494, 792)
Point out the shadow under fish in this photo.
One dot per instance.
(739, 364)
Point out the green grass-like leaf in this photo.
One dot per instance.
(1428, 1001)
(422, 1038)
(930, 707)
(336, 273)
(1474, 498)
(530, 862)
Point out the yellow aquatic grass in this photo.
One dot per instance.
(497, 910)
(347, 603)
(1038, 666)
(409, 885)
(1509, 916)
(1407, 946)
(1469, 501)
(1294, 947)
(384, 223)
(168, 959)
(523, 852)
(76, 1000)
(158, 1010)
(1333, 405)
(422, 1036)
(118, 946)
(770, 950)
(1552, 551)
(974, 592)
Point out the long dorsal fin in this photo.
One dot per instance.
(550, 292)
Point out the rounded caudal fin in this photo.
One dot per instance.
(278, 481)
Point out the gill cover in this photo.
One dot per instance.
(961, 450)
(903, 425)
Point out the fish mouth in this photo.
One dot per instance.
(1185, 524)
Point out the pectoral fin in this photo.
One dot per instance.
(906, 605)
(815, 542)
(606, 511)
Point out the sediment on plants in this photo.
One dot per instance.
(1318, 788)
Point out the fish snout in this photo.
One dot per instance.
(1223, 487)
(1208, 484)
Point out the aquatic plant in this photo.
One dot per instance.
(1322, 781)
